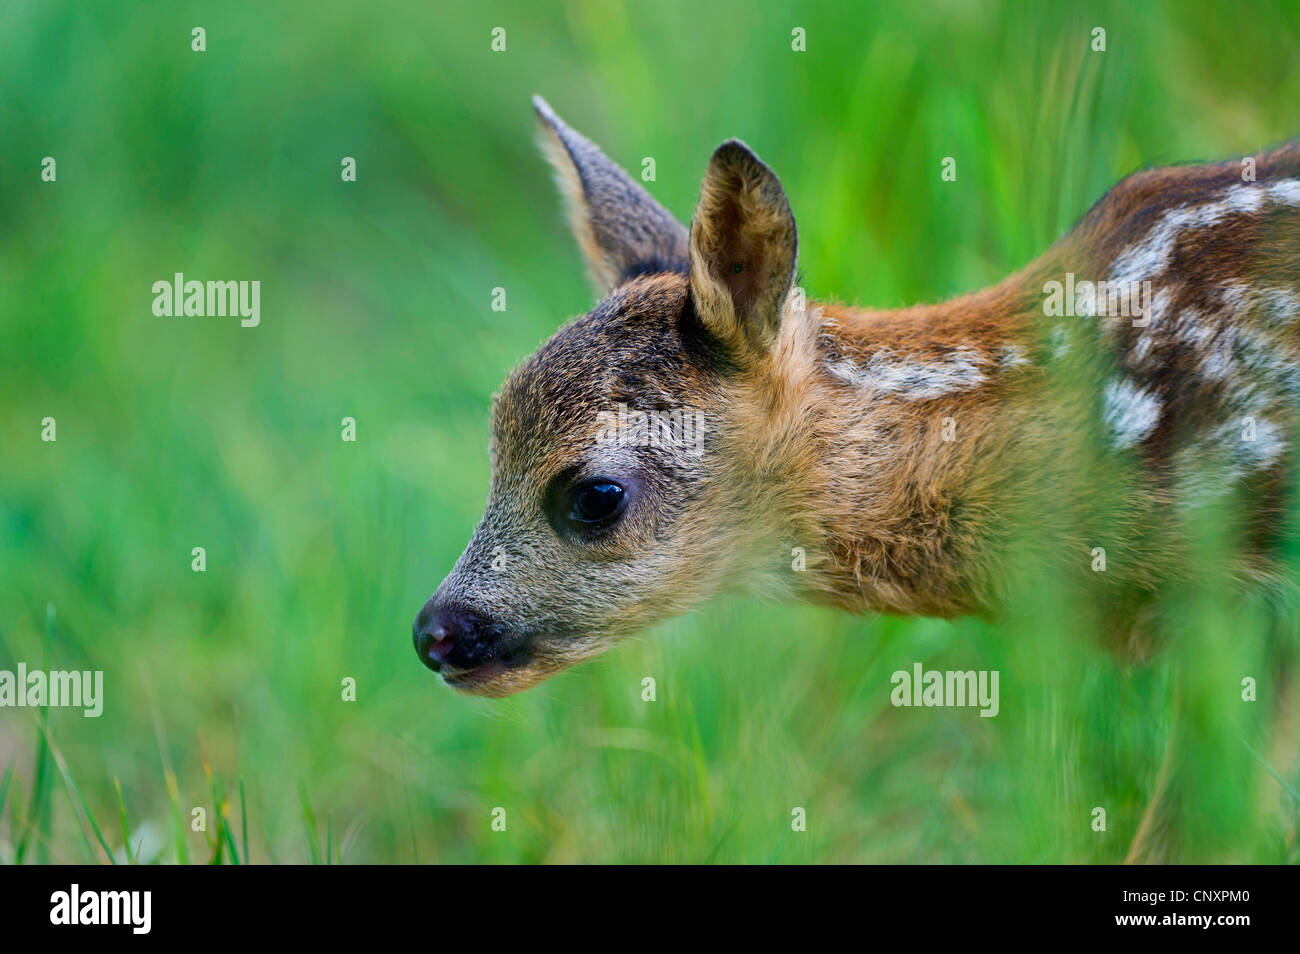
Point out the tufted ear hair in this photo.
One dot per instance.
(622, 231)
(743, 249)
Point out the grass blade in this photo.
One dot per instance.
(38, 808)
(121, 812)
(4, 790)
(243, 820)
(178, 817)
(313, 839)
(80, 800)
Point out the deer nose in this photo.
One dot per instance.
(451, 635)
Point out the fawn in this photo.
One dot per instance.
(893, 448)
(1142, 367)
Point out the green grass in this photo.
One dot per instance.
(223, 688)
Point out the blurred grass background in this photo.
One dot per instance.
(176, 433)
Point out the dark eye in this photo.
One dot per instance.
(596, 502)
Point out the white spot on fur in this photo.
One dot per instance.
(1130, 412)
(1268, 363)
(914, 380)
(1236, 296)
(1278, 305)
(1059, 341)
(1213, 341)
(1262, 357)
(1012, 356)
(1213, 466)
(1285, 190)
(1217, 359)
(1281, 306)
(1140, 354)
(1150, 255)
(1267, 447)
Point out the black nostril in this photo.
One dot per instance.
(448, 634)
(432, 644)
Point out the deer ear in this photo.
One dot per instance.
(743, 249)
(622, 231)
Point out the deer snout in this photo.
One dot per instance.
(454, 637)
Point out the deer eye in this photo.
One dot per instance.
(596, 501)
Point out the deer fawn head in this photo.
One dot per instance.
(628, 476)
